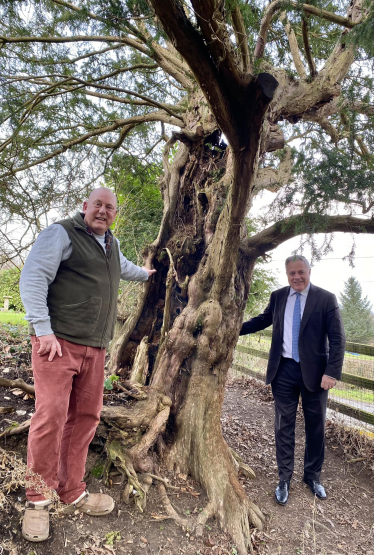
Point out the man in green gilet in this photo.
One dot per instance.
(69, 287)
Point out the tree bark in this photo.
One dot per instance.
(191, 314)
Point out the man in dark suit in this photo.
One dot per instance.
(306, 357)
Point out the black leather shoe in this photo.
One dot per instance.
(282, 491)
(316, 488)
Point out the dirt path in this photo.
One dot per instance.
(340, 525)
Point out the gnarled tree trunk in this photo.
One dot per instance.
(191, 313)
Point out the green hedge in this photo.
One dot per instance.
(9, 286)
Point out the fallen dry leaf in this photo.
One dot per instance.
(156, 516)
(209, 542)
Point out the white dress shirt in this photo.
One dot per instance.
(288, 318)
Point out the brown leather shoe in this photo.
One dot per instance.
(35, 523)
(94, 504)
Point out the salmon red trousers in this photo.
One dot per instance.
(69, 399)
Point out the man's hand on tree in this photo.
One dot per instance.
(49, 344)
(150, 272)
(327, 382)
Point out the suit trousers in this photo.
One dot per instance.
(287, 386)
(69, 398)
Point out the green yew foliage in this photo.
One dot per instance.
(139, 203)
(329, 175)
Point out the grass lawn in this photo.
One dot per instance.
(15, 318)
(360, 395)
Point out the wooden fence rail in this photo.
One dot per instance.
(365, 383)
(350, 347)
(338, 406)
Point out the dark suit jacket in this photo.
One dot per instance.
(321, 339)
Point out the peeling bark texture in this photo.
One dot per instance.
(140, 365)
(191, 316)
(274, 179)
(294, 48)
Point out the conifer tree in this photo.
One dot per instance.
(356, 312)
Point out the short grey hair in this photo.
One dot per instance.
(296, 257)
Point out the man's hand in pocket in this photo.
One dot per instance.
(49, 344)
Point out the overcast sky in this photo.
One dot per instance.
(331, 272)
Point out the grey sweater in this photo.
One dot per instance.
(52, 246)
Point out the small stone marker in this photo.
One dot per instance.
(6, 303)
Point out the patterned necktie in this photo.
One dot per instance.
(296, 321)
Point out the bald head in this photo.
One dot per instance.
(103, 192)
(100, 210)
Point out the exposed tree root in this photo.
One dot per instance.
(133, 431)
(204, 516)
(133, 489)
(6, 410)
(172, 513)
(12, 431)
(134, 392)
(201, 451)
(242, 467)
(140, 450)
(158, 478)
(19, 383)
(227, 500)
(141, 362)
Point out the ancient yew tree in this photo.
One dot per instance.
(242, 97)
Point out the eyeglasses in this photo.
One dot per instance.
(108, 207)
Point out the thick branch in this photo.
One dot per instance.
(190, 44)
(133, 121)
(280, 232)
(210, 17)
(172, 66)
(301, 100)
(273, 179)
(308, 52)
(326, 125)
(337, 105)
(168, 59)
(241, 39)
(294, 47)
(277, 5)
(78, 38)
